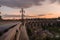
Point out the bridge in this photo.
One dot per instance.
(14, 30)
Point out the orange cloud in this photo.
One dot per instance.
(49, 16)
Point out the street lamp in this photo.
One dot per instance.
(22, 15)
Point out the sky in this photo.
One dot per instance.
(36, 8)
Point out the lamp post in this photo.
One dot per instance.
(22, 15)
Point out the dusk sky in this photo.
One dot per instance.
(39, 8)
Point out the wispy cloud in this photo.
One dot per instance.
(45, 14)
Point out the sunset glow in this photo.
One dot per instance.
(47, 10)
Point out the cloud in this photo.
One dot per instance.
(45, 14)
(53, 1)
(24, 3)
(21, 3)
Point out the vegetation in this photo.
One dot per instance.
(39, 31)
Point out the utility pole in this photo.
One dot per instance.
(22, 15)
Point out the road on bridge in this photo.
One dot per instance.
(16, 33)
